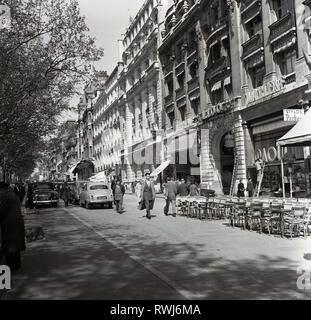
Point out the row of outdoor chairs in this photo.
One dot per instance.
(290, 218)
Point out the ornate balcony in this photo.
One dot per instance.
(180, 92)
(168, 100)
(250, 9)
(180, 68)
(252, 46)
(193, 84)
(282, 28)
(215, 30)
(218, 67)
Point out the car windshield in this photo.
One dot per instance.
(99, 187)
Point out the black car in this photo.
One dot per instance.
(44, 194)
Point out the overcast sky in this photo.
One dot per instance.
(107, 20)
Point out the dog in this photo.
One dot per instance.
(35, 233)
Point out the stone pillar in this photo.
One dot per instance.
(240, 148)
(267, 20)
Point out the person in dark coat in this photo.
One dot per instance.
(241, 190)
(250, 187)
(118, 195)
(113, 186)
(66, 194)
(171, 193)
(21, 192)
(183, 190)
(12, 227)
(29, 201)
(148, 195)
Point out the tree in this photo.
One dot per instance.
(45, 58)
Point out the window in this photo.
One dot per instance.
(171, 117)
(182, 111)
(256, 76)
(193, 70)
(215, 53)
(99, 187)
(170, 87)
(287, 62)
(181, 80)
(195, 106)
(215, 13)
(254, 26)
(280, 7)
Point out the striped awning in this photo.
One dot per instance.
(216, 86)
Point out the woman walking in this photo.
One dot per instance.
(118, 196)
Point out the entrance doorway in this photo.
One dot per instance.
(227, 161)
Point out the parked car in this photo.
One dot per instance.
(44, 194)
(96, 194)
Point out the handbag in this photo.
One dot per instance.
(142, 205)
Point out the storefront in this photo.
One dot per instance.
(296, 171)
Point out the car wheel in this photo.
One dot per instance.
(54, 205)
(110, 205)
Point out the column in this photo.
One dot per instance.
(267, 20)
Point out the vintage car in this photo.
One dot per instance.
(95, 194)
(44, 194)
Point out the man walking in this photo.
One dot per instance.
(171, 192)
(119, 194)
(148, 195)
(12, 227)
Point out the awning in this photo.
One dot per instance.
(299, 135)
(227, 81)
(216, 86)
(160, 168)
(99, 177)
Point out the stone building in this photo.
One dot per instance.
(140, 93)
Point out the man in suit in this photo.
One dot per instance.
(148, 194)
(171, 193)
(183, 190)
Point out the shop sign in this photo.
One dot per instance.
(293, 115)
(271, 154)
(263, 91)
(219, 108)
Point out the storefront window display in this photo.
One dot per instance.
(296, 172)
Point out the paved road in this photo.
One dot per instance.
(100, 254)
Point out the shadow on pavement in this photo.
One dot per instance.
(74, 263)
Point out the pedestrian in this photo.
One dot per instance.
(250, 187)
(193, 190)
(29, 201)
(241, 189)
(12, 227)
(66, 194)
(119, 194)
(138, 190)
(21, 192)
(171, 193)
(113, 185)
(147, 195)
(183, 189)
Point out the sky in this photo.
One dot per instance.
(107, 21)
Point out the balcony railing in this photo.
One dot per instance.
(193, 84)
(180, 67)
(212, 29)
(252, 45)
(180, 92)
(217, 67)
(246, 5)
(281, 27)
(168, 99)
